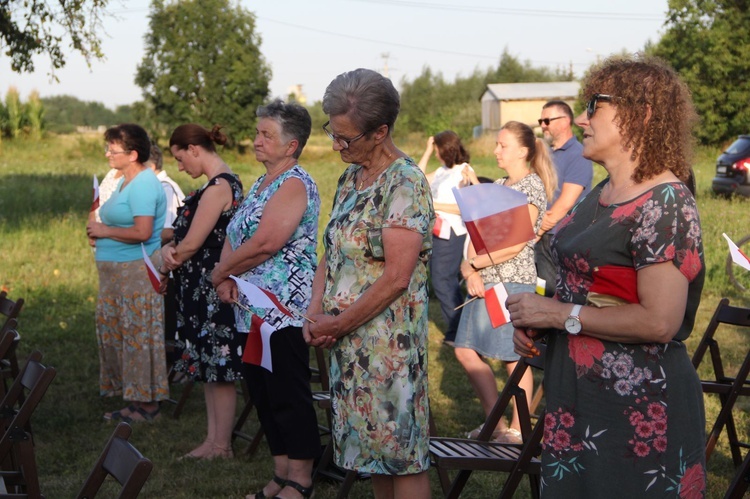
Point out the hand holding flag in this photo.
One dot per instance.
(738, 256)
(496, 217)
(259, 297)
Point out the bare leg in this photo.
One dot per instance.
(481, 377)
(206, 447)
(223, 407)
(401, 486)
(527, 383)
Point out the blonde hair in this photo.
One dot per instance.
(539, 156)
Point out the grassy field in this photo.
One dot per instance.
(45, 192)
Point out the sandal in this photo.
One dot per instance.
(260, 495)
(306, 492)
(118, 416)
(508, 436)
(474, 434)
(148, 417)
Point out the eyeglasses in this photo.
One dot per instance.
(546, 121)
(113, 153)
(591, 106)
(344, 143)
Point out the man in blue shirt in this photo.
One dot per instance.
(574, 175)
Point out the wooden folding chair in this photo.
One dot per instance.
(727, 387)
(482, 454)
(741, 481)
(122, 461)
(238, 430)
(19, 472)
(9, 308)
(9, 339)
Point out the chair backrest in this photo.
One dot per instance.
(8, 307)
(724, 314)
(122, 461)
(22, 399)
(9, 339)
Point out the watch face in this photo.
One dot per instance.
(572, 325)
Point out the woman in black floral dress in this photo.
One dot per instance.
(625, 411)
(208, 346)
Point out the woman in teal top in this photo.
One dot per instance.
(129, 312)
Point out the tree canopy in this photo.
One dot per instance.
(31, 27)
(705, 42)
(203, 64)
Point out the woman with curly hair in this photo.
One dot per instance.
(624, 404)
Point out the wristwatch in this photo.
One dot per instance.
(573, 322)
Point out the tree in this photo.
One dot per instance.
(30, 27)
(704, 41)
(203, 64)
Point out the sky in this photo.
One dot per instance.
(309, 42)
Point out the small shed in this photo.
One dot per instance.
(504, 102)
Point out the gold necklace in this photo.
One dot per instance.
(364, 179)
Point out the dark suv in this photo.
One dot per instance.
(732, 169)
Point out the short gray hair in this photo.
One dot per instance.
(293, 118)
(369, 98)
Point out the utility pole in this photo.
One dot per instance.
(385, 56)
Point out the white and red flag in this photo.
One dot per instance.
(495, 298)
(259, 297)
(442, 228)
(258, 345)
(738, 256)
(153, 276)
(497, 217)
(95, 202)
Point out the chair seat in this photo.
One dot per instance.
(486, 456)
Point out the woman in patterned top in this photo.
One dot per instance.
(624, 404)
(206, 342)
(271, 242)
(528, 163)
(369, 298)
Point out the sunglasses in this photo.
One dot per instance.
(591, 106)
(546, 121)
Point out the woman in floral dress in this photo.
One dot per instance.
(207, 344)
(624, 405)
(369, 299)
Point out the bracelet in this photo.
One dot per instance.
(163, 273)
(471, 264)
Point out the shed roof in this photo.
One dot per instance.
(522, 91)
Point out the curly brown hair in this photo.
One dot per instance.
(639, 84)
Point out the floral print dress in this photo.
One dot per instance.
(206, 340)
(379, 371)
(625, 419)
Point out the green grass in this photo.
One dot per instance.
(45, 191)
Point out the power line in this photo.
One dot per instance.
(618, 16)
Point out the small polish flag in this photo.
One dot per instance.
(442, 228)
(495, 298)
(258, 345)
(738, 256)
(496, 216)
(153, 275)
(95, 202)
(259, 297)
